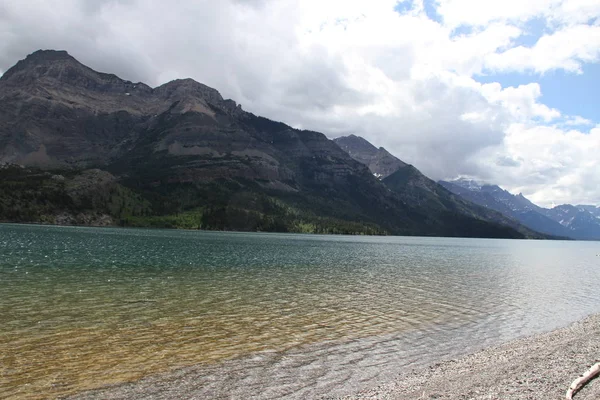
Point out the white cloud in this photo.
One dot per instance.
(578, 121)
(566, 49)
(571, 12)
(521, 102)
(559, 166)
(401, 80)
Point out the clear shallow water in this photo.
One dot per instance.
(266, 314)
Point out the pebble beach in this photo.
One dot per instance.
(537, 367)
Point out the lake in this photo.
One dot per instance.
(268, 315)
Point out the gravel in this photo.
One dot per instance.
(537, 367)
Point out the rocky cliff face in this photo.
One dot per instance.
(182, 148)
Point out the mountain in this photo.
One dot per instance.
(414, 188)
(566, 220)
(379, 160)
(84, 147)
(595, 211)
(56, 112)
(582, 221)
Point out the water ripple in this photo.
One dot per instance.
(265, 315)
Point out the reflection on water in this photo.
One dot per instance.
(81, 308)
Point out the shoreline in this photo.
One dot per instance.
(535, 367)
(556, 238)
(541, 366)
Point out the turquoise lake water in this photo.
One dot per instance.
(293, 315)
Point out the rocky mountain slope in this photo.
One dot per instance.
(577, 222)
(582, 221)
(408, 183)
(595, 211)
(380, 162)
(95, 147)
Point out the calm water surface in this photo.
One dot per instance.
(268, 315)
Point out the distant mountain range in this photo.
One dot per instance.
(84, 147)
(577, 222)
(408, 183)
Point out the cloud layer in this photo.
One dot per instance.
(405, 75)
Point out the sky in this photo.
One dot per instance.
(504, 92)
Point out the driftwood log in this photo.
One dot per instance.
(582, 380)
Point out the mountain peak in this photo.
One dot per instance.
(467, 183)
(57, 67)
(353, 143)
(34, 61)
(188, 86)
(49, 55)
(379, 160)
(42, 57)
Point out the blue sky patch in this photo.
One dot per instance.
(462, 30)
(402, 7)
(430, 7)
(532, 31)
(570, 93)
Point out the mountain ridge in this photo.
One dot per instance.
(576, 222)
(179, 155)
(413, 187)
